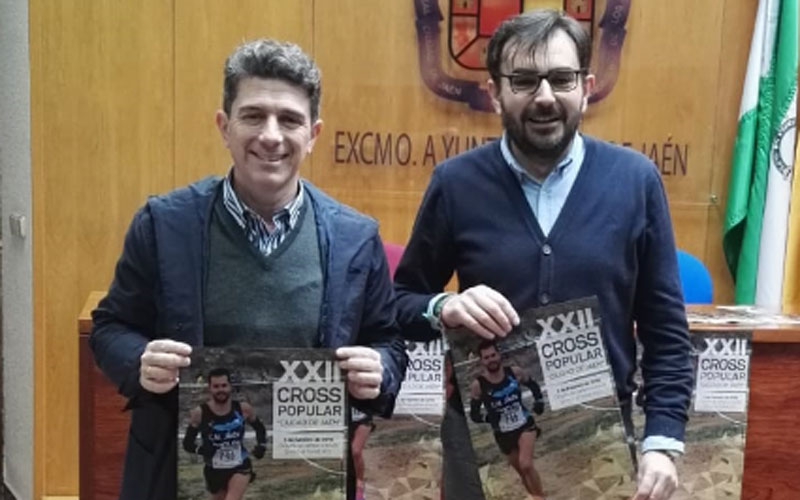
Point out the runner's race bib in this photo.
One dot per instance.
(227, 456)
(512, 417)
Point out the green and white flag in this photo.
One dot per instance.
(755, 226)
(775, 227)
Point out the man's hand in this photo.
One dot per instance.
(259, 450)
(160, 364)
(206, 451)
(364, 371)
(658, 478)
(481, 309)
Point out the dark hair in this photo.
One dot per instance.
(219, 372)
(529, 32)
(265, 58)
(486, 344)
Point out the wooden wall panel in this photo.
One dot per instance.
(378, 114)
(690, 224)
(666, 93)
(395, 210)
(103, 126)
(205, 33)
(35, 20)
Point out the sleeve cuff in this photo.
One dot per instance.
(433, 318)
(662, 443)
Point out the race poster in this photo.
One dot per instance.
(713, 462)
(270, 422)
(542, 409)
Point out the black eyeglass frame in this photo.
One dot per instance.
(543, 76)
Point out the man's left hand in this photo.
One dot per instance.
(364, 371)
(658, 477)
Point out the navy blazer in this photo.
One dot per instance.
(157, 292)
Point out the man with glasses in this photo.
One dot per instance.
(543, 215)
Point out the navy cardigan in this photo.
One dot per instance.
(613, 239)
(157, 293)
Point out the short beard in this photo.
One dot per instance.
(497, 367)
(542, 152)
(225, 398)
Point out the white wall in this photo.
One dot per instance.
(17, 267)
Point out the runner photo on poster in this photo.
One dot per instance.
(498, 391)
(262, 424)
(542, 410)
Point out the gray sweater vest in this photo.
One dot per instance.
(259, 301)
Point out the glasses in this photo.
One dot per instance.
(528, 82)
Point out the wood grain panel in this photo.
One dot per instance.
(770, 464)
(379, 115)
(655, 107)
(103, 424)
(394, 210)
(102, 124)
(35, 30)
(85, 316)
(103, 431)
(671, 69)
(35, 12)
(206, 31)
(690, 223)
(667, 91)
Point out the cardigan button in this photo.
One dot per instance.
(547, 249)
(544, 298)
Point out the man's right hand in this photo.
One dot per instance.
(259, 450)
(481, 309)
(160, 364)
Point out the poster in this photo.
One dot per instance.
(542, 407)
(713, 462)
(270, 421)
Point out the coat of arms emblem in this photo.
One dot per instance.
(469, 26)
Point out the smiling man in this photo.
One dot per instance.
(257, 258)
(559, 215)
